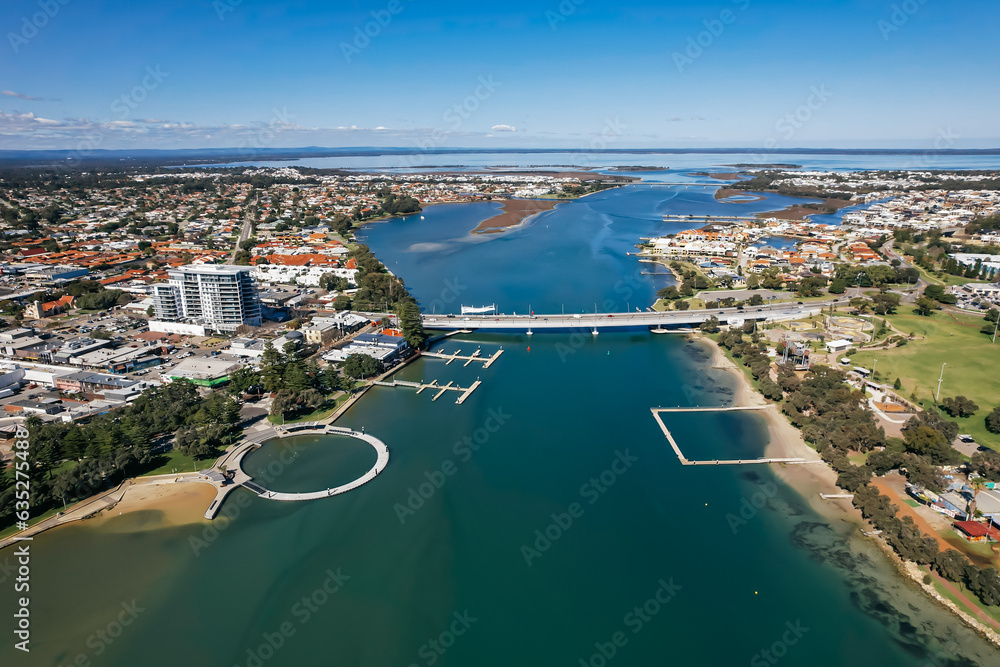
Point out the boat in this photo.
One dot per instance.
(479, 310)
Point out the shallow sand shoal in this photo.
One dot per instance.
(147, 505)
(725, 193)
(515, 211)
(797, 212)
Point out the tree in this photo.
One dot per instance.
(242, 379)
(272, 368)
(986, 464)
(937, 293)
(669, 292)
(150, 311)
(860, 304)
(993, 421)
(885, 304)
(682, 304)
(411, 324)
(929, 442)
(711, 325)
(837, 286)
(809, 287)
(952, 565)
(924, 307)
(361, 365)
(960, 406)
(770, 389)
(897, 385)
(101, 300)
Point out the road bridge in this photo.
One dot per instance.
(598, 321)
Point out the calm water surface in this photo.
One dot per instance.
(536, 524)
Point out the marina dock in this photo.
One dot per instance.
(457, 356)
(433, 384)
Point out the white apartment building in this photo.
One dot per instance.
(216, 296)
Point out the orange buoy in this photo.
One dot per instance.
(529, 348)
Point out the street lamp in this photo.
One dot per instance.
(940, 380)
(874, 361)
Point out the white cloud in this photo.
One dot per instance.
(27, 131)
(20, 96)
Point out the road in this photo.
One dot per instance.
(921, 283)
(618, 320)
(244, 233)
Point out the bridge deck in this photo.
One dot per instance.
(621, 320)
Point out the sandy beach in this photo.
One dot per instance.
(785, 441)
(149, 505)
(811, 479)
(725, 193)
(515, 211)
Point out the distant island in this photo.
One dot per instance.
(514, 212)
(638, 168)
(776, 165)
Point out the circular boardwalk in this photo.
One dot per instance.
(313, 427)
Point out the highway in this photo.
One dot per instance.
(620, 320)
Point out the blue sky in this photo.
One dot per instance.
(570, 73)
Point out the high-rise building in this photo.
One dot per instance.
(218, 297)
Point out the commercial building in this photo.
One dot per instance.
(202, 372)
(217, 297)
(379, 346)
(253, 348)
(323, 330)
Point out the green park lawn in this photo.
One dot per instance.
(972, 370)
(945, 279)
(322, 413)
(174, 461)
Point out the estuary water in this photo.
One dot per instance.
(545, 521)
(572, 258)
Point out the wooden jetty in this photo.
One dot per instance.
(440, 389)
(718, 462)
(468, 359)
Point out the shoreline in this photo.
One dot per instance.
(514, 212)
(156, 505)
(722, 194)
(799, 212)
(786, 441)
(140, 502)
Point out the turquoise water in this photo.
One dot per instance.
(450, 525)
(303, 463)
(572, 258)
(523, 527)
